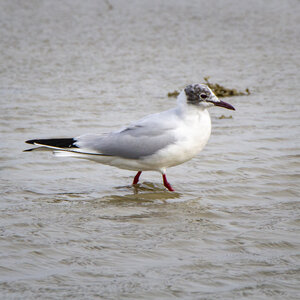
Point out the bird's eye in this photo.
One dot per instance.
(203, 96)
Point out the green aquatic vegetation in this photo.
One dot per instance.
(219, 90)
(225, 117)
(173, 94)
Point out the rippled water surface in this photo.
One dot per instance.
(72, 229)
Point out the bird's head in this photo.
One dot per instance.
(201, 95)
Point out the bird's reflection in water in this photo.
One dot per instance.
(142, 193)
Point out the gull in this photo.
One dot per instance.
(153, 143)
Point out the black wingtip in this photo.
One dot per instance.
(30, 142)
(60, 142)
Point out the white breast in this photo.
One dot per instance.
(192, 135)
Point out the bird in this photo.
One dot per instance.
(153, 143)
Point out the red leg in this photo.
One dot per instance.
(166, 183)
(137, 177)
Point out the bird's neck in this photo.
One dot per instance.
(189, 110)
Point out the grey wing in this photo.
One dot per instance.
(132, 142)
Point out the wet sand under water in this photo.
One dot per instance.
(76, 229)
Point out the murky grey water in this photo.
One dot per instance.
(75, 229)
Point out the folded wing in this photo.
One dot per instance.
(132, 142)
(140, 139)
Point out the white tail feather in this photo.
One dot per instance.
(66, 153)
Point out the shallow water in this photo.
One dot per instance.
(76, 229)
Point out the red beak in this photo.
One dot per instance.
(224, 104)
